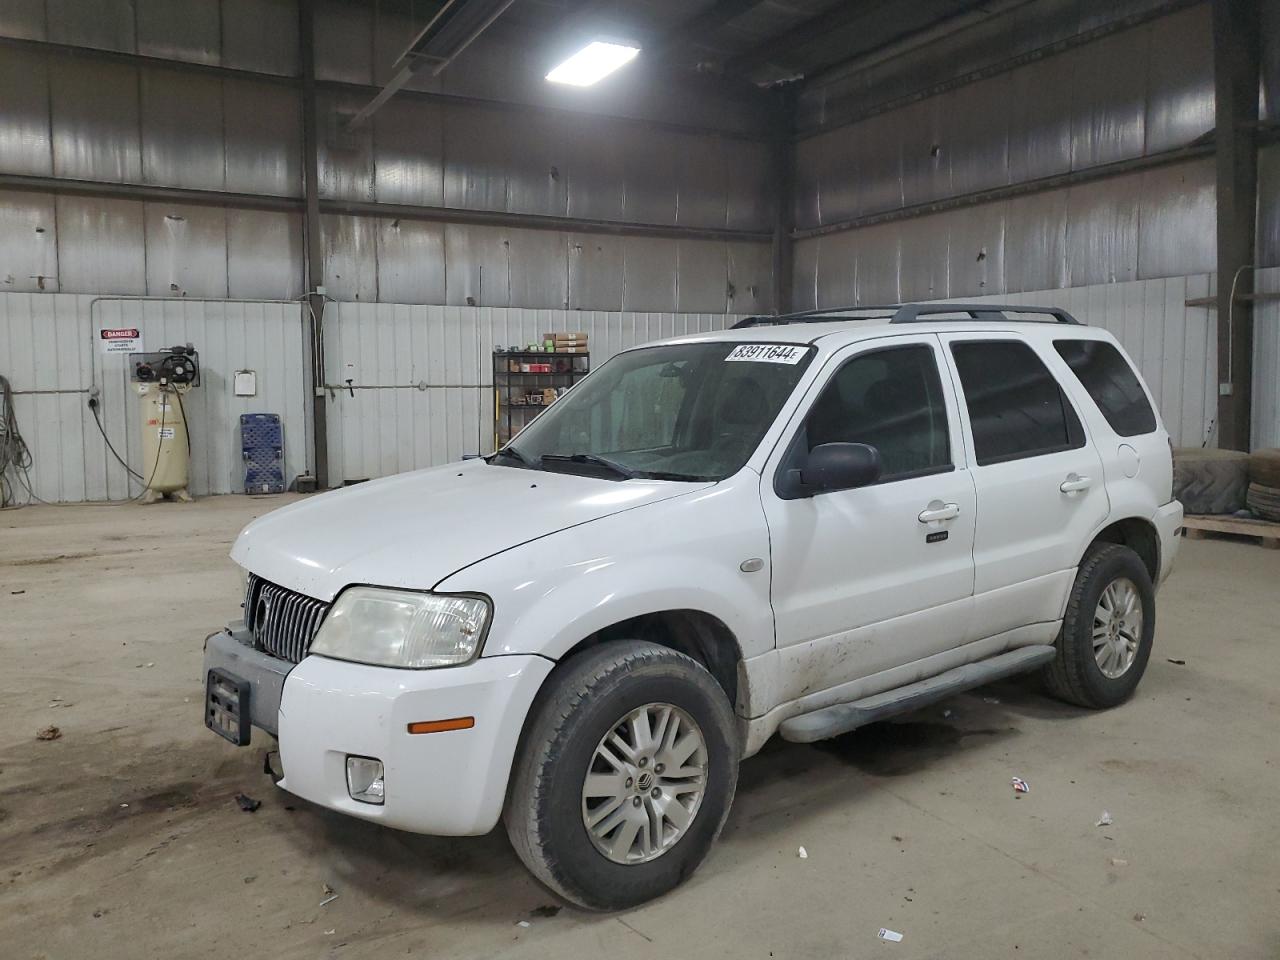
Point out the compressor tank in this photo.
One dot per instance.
(166, 449)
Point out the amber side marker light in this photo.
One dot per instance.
(439, 726)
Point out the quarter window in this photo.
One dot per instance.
(1111, 382)
(1016, 407)
(891, 399)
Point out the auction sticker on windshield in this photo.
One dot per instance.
(767, 353)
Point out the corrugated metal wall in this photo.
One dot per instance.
(626, 154)
(1138, 226)
(422, 376)
(1266, 361)
(1138, 92)
(49, 351)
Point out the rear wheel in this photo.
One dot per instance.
(625, 775)
(1107, 633)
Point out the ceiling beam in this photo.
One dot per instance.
(777, 49)
(454, 28)
(696, 31)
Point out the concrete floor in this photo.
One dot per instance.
(122, 838)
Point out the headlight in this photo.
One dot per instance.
(401, 628)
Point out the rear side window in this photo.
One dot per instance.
(1111, 382)
(1016, 407)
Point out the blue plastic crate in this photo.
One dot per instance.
(262, 448)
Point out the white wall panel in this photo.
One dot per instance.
(49, 351)
(1266, 361)
(421, 390)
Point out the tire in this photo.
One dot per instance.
(1264, 467)
(1264, 501)
(1210, 481)
(583, 701)
(1075, 674)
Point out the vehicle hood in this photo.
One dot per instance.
(414, 529)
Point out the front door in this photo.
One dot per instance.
(875, 577)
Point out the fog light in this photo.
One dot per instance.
(364, 779)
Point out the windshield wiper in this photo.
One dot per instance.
(514, 454)
(590, 458)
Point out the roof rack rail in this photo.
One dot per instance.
(910, 313)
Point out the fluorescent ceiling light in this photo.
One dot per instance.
(593, 62)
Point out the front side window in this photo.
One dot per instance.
(892, 400)
(1016, 407)
(694, 411)
(1112, 384)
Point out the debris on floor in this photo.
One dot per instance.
(1118, 862)
(1104, 820)
(523, 923)
(247, 803)
(49, 733)
(893, 936)
(1177, 663)
(802, 853)
(1019, 786)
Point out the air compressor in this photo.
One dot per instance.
(161, 379)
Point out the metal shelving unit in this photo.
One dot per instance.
(512, 410)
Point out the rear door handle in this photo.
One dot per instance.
(1075, 483)
(937, 510)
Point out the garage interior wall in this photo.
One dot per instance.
(1141, 93)
(485, 136)
(155, 148)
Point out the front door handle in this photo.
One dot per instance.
(1075, 483)
(937, 510)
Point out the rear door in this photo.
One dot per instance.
(1040, 485)
(882, 575)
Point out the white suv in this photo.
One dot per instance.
(798, 526)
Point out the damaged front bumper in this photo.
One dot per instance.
(230, 654)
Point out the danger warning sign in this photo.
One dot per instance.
(121, 340)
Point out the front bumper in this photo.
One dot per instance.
(452, 783)
(232, 650)
(1168, 523)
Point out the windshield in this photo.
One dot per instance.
(693, 411)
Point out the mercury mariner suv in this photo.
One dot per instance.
(797, 526)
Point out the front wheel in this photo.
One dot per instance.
(1107, 632)
(625, 776)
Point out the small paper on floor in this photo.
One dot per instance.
(893, 936)
(802, 853)
(524, 923)
(1104, 820)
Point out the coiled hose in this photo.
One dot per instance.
(15, 455)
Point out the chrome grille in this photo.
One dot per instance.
(283, 623)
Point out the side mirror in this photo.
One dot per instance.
(840, 466)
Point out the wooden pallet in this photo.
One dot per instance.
(1197, 525)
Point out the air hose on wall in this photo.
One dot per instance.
(15, 455)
